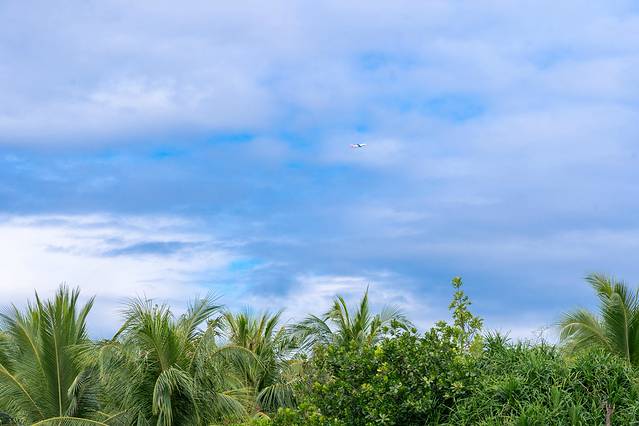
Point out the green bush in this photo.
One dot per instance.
(406, 379)
(365, 369)
(536, 385)
(305, 415)
(418, 380)
(258, 420)
(451, 375)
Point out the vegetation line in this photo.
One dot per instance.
(350, 366)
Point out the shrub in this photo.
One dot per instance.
(451, 375)
(406, 379)
(535, 384)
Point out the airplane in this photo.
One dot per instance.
(358, 145)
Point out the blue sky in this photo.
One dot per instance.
(171, 150)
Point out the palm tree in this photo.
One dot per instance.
(615, 329)
(43, 380)
(339, 326)
(273, 373)
(167, 371)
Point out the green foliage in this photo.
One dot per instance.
(405, 379)
(305, 415)
(350, 367)
(271, 375)
(162, 370)
(413, 380)
(258, 419)
(466, 326)
(452, 375)
(343, 326)
(534, 384)
(42, 375)
(614, 330)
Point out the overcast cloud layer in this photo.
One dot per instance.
(172, 150)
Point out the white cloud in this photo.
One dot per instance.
(132, 96)
(527, 329)
(313, 294)
(552, 149)
(119, 69)
(113, 258)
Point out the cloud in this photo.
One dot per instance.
(167, 146)
(109, 257)
(152, 248)
(314, 294)
(115, 71)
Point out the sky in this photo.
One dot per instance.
(170, 150)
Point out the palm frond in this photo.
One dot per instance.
(581, 329)
(41, 376)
